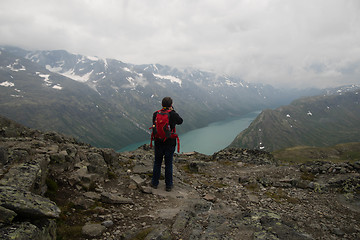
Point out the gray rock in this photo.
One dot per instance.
(26, 230)
(58, 158)
(29, 176)
(146, 189)
(92, 195)
(6, 215)
(93, 230)
(20, 231)
(110, 156)
(27, 203)
(143, 168)
(338, 232)
(356, 165)
(83, 176)
(115, 199)
(107, 223)
(83, 203)
(181, 221)
(97, 164)
(138, 180)
(159, 233)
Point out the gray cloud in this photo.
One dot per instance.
(280, 42)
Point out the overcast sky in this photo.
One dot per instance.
(279, 42)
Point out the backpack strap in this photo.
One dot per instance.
(152, 137)
(178, 143)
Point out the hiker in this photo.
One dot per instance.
(164, 146)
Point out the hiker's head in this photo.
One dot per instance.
(166, 102)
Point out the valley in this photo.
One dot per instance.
(109, 103)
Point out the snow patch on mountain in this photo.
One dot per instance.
(172, 79)
(46, 78)
(16, 66)
(54, 69)
(93, 58)
(57, 87)
(48, 82)
(7, 84)
(134, 82)
(80, 78)
(230, 83)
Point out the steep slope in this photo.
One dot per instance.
(314, 121)
(44, 100)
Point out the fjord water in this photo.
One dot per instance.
(209, 139)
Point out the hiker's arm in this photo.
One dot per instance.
(177, 118)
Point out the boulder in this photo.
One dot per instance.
(29, 176)
(114, 199)
(92, 195)
(109, 155)
(138, 180)
(93, 230)
(28, 204)
(45, 230)
(159, 232)
(97, 164)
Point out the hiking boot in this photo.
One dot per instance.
(153, 186)
(168, 188)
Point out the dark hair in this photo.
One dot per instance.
(166, 102)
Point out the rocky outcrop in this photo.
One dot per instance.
(252, 156)
(32, 164)
(233, 194)
(27, 203)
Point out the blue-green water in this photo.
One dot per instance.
(209, 139)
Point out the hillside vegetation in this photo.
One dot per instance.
(313, 121)
(346, 152)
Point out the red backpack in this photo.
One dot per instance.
(161, 128)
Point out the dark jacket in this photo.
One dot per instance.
(174, 119)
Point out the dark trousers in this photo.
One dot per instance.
(161, 151)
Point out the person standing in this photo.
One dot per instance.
(165, 148)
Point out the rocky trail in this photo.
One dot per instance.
(53, 187)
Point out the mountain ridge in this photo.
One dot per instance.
(314, 121)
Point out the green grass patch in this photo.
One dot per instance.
(280, 196)
(52, 188)
(142, 234)
(307, 176)
(347, 152)
(253, 186)
(66, 232)
(111, 174)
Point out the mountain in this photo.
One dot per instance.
(314, 121)
(109, 103)
(38, 98)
